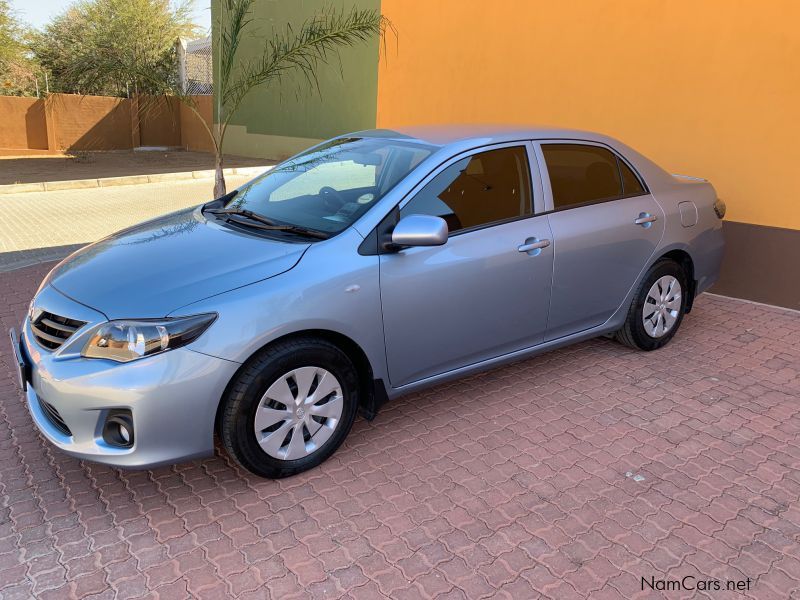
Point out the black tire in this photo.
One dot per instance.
(633, 333)
(244, 395)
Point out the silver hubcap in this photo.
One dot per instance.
(299, 413)
(662, 306)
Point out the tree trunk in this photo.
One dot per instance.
(219, 177)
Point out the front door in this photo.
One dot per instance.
(485, 292)
(606, 227)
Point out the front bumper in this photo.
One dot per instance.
(173, 399)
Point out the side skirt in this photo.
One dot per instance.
(605, 328)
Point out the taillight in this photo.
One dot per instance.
(719, 208)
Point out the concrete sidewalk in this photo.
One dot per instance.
(111, 164)
(38, 226)
(80, 184)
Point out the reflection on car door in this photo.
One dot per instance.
(606, 227)
(482, 294)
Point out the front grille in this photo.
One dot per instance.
(51, 331)
(55, 419)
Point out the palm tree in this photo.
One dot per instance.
(315, 42)
(303, 49)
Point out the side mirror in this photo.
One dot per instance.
(420, 230)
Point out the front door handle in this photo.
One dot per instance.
(533, 245)
(645, 219)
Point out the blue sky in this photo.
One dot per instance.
(39, 12)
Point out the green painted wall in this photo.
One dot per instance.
(275, 122)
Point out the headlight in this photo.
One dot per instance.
(124, 341)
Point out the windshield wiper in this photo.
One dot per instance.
(260, 222)
(243, 212)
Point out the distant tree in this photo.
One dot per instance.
(104, 46)
(9, 28)
(291, 49)
(59, 47)
(17, 69)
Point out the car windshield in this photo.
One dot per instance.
(329, 187)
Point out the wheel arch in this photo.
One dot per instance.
(684, 259)
(372, 392)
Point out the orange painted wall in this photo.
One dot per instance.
(708, 88)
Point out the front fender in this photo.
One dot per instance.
(331, 289)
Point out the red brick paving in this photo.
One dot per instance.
(508, 484)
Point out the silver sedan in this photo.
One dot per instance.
(371, 265)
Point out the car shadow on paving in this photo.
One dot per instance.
(573, 474)
(10, 261)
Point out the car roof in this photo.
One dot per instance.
(446, 135)
(453, 139)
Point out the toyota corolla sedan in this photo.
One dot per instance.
(371, 265)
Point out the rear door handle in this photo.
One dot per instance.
(645, 219)
(530, 247)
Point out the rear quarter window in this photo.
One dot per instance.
(631, 186)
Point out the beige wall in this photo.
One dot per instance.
(22, 123)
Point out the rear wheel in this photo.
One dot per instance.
(657, 308)
(290, 408)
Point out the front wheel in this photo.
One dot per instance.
(290, 408)
(657, 308)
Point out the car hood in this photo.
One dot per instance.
(152, 269)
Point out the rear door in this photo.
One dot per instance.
(605, 225)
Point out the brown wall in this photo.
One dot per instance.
(160, 122)
(22, 123)
(761, 264)
(99, 123)
(194, 135)
(91, 122)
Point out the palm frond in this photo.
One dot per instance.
(234, 19)
(315, 42)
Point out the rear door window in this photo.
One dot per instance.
(581, 174)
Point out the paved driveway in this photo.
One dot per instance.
(571, 475)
